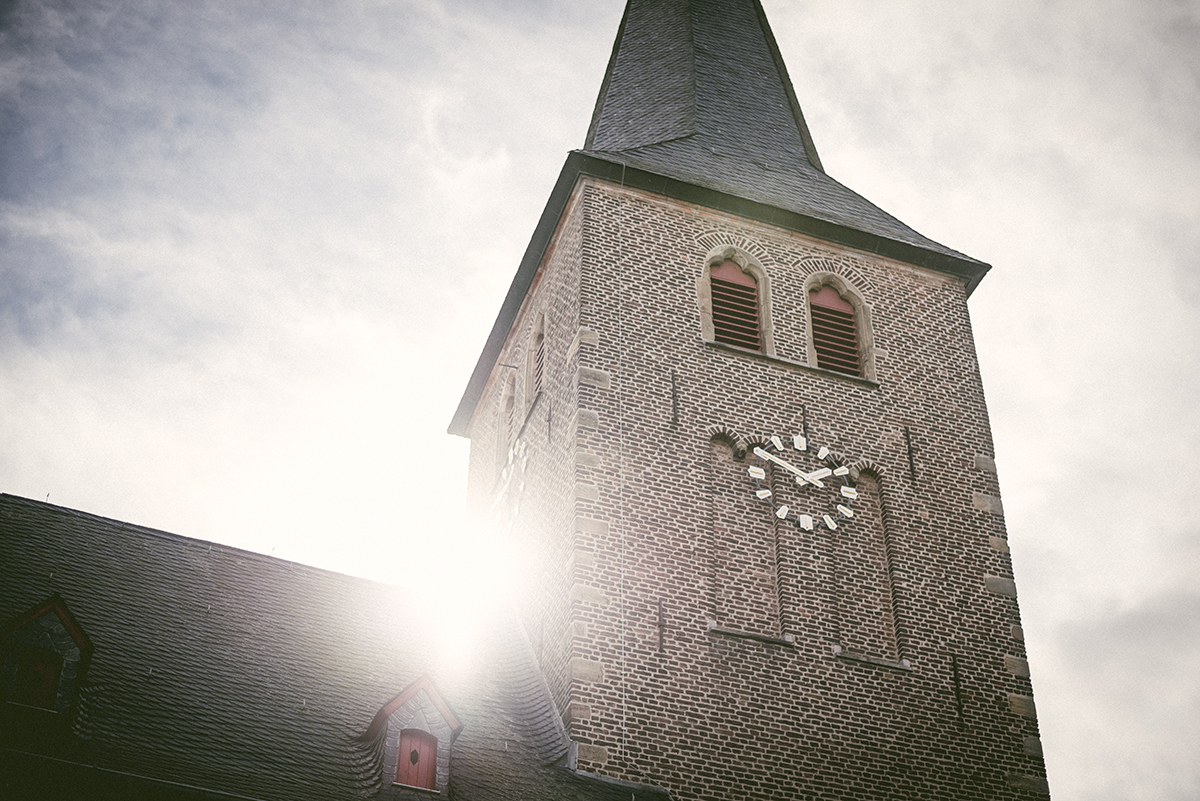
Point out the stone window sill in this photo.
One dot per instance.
(31, 706)
(878, 661)
(786, 639)
(424, 790)
(808, 368)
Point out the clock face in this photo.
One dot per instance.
(817, 472)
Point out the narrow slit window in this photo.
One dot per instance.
(735, 310)
(416, 764)
(834, 331)
(537, 361)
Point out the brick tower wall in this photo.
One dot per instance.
(690, 638)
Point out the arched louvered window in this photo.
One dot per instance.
(834, 331)
(537, 360)
(735, 306)
(416, 764)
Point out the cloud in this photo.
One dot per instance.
(249, 253)
(1132, 699)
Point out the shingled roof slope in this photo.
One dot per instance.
(696, 90)
(221, 672)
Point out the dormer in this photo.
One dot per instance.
(412, 736)
(44, 655)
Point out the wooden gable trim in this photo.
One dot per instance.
(56, 603)
(423, 683)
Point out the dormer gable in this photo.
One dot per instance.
(411, 737)
(44, 654)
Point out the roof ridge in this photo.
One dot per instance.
(183, 539)
(640, 146)
(810, 148)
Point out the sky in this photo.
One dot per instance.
(250, 251)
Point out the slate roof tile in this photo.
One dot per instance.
(237, 673)
(696, 90)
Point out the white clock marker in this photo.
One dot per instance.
(764, 494)
(756, 472)
(821, 454)
(841, 471)
(781, 512)
(806, 522)
(800, 442)
(845, 510)
(829, 522)
(850, 492)
(777, 442)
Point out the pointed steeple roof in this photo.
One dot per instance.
(696, 91)
(697, 105)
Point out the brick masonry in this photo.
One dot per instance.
(690, 638)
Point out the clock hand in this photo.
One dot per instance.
(772, 457)
(814, 477)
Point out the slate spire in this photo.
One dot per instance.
(696, 70)
(697, 105)
(696, 90)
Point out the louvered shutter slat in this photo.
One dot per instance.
(735, 311)
(835, 334)
(539, 363)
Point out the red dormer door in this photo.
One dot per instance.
(416, 765)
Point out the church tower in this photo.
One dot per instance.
(731, 414)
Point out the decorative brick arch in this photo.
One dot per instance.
(752, 266)
(722, 433)
(715, 240)
(865, 465)
(812, 265)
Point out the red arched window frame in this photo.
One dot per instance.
(416, 763)
(735, 312)
(834, 331)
